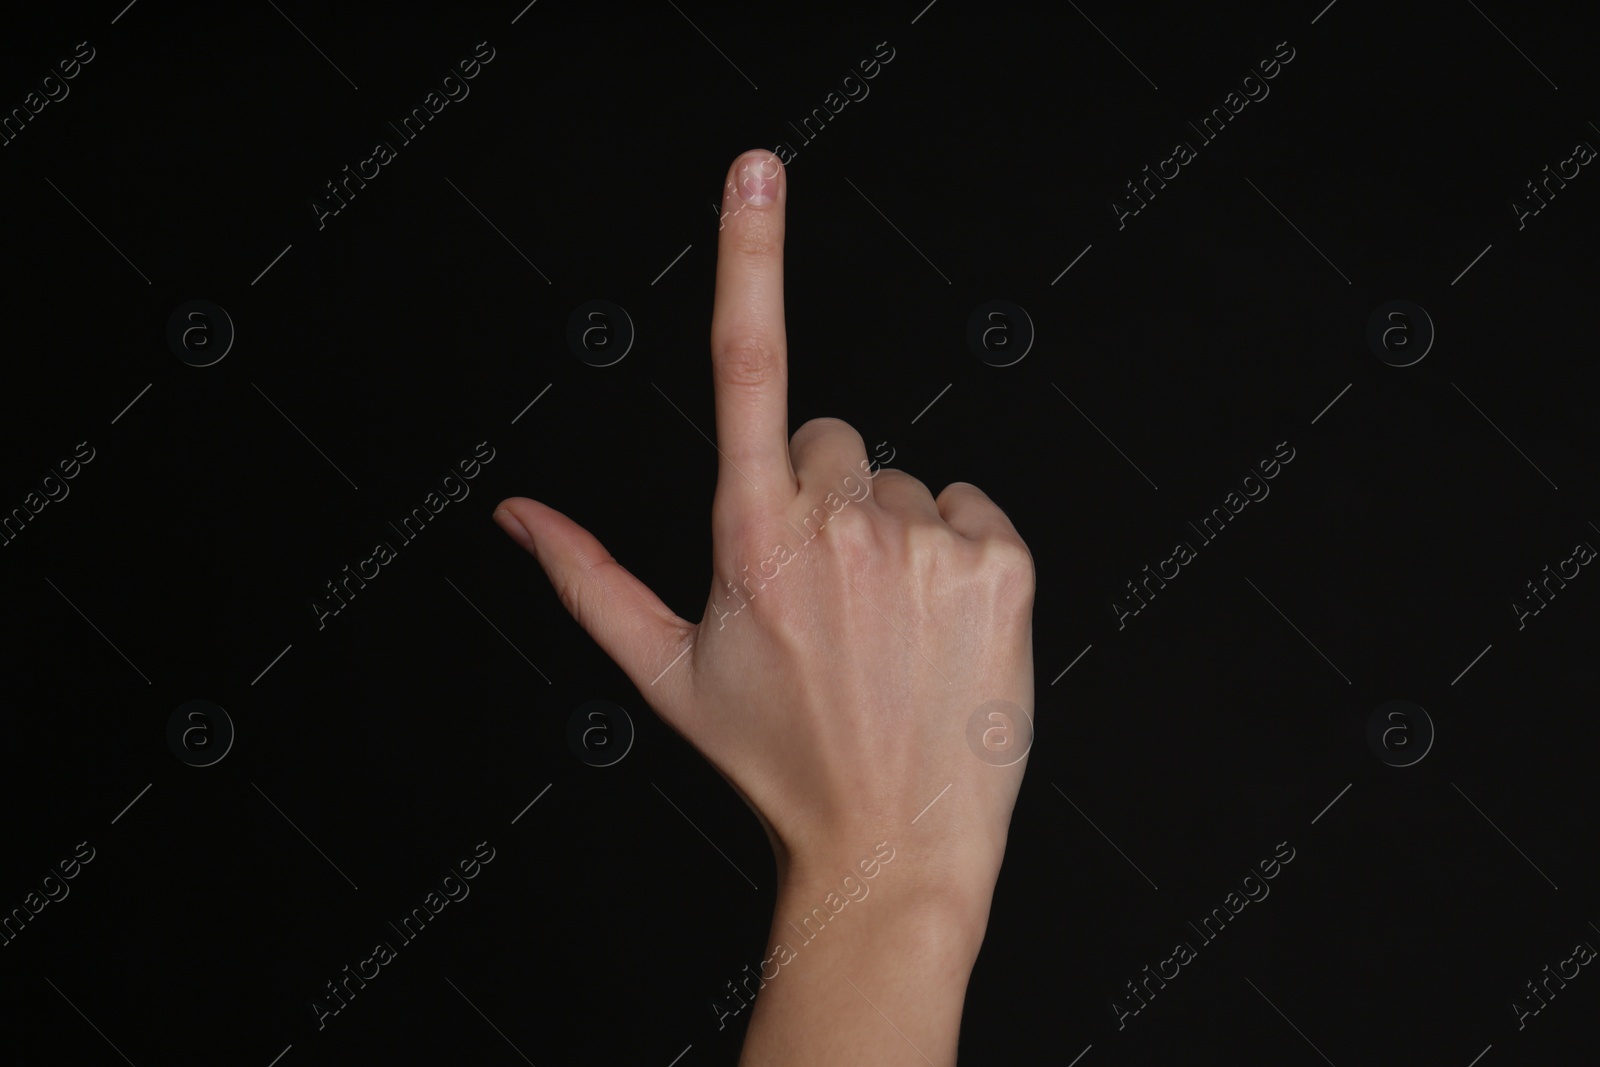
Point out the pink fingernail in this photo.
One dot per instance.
(757, 180)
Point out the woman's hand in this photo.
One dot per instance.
(855, 623)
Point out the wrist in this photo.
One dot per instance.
(868, 964)
(884, 894)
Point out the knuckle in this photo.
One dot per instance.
(927, 545)
(826, 428)
(910, 481)
(1008, 566)
(569, 590)
(853, 538)
(747, 359)
(578, 586)
(960, 489)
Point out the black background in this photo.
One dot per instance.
(426, 316)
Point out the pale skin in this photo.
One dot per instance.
(837, 702)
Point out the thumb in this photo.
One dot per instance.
(626, 619)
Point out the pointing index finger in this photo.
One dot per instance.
(749, 352)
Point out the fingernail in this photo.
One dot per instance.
(514, 528)
(757, 179)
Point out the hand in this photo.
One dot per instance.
(854, 625)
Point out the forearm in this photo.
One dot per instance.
(881, 981)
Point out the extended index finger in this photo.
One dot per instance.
(749, 353)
